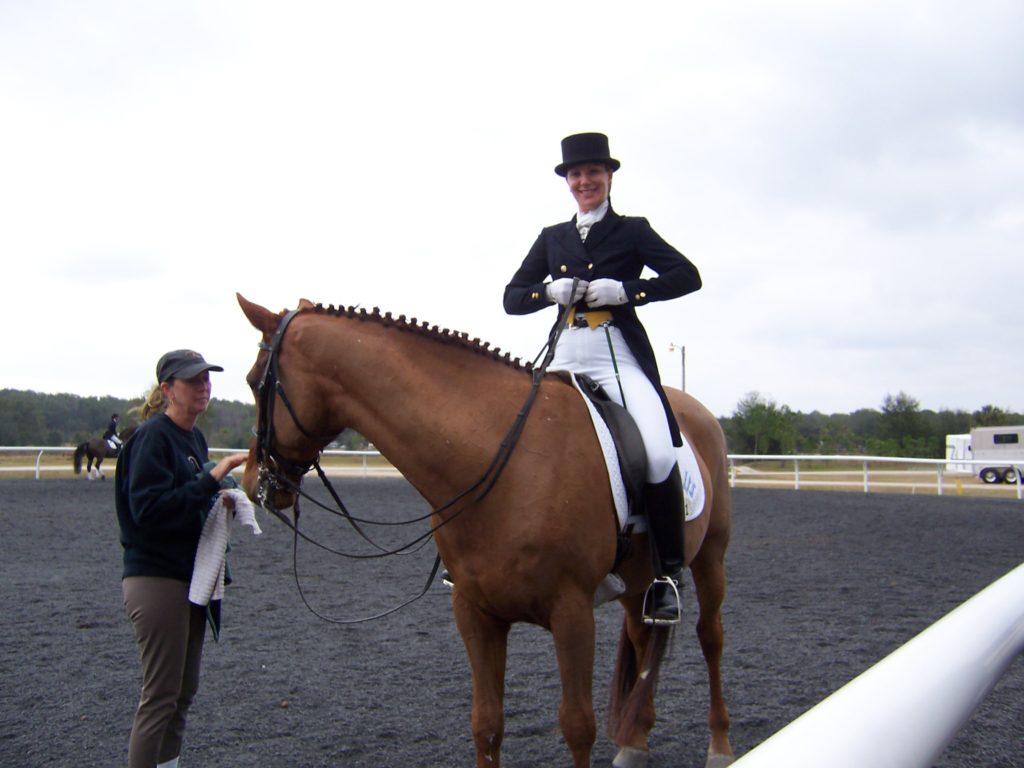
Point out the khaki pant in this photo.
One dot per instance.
(169, 631)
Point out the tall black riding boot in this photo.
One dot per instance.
(663, 504)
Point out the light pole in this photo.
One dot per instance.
(682, 357)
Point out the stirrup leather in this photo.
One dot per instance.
(650, 602)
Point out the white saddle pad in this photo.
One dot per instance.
(693, 485)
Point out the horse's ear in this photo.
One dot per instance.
(306, 304)
(262, 319)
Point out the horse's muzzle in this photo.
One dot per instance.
(270, 492)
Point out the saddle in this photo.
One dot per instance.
(629, 449)
(629, 445)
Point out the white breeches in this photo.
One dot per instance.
(586, 351)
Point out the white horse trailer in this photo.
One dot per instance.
(1001, 448)
(958, 454)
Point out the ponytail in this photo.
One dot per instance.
(155, 403)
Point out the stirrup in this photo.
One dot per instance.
(653, 613)
(446, 579)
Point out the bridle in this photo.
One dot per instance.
(274, 471)
(270, 463)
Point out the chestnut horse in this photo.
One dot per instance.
(532, 547)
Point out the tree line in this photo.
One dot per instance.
(899, 428)
(757, 426)
(33, 418)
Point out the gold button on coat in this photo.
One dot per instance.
(563, 269)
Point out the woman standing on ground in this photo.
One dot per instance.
(162, 494)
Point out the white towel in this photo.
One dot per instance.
(208, 571)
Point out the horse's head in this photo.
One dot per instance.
(288, 436)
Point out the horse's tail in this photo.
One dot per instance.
(79, 451)
(631, 705)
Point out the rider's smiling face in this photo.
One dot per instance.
(590, 184)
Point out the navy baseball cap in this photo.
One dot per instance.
(182, 364)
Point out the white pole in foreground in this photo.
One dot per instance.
(903, 711)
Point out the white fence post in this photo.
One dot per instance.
(904, 711)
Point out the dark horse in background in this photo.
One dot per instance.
(96, 450)
(536, 545)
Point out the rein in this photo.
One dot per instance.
(270, 462)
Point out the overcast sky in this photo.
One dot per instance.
(847, 176)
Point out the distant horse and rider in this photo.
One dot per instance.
(97, 449)
(534, 537)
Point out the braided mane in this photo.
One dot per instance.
(412, 325)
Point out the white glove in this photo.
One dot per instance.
(605, 293)
(559, 290)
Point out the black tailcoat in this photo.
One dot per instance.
(617, 247)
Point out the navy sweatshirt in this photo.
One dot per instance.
(162, 495)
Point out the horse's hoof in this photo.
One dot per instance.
(718, 760)
(629, 757)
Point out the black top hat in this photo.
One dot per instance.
(182, 364)
(585, 148)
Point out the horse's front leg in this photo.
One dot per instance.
(572, 625)
(486, 641)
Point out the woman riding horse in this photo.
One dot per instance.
(595, 262)
(527, 541)
(110, 435)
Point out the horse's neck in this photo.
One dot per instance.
(436, 411)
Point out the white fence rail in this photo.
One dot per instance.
(904, 711)
(874, 472)
(38, 468)
(39, 451)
